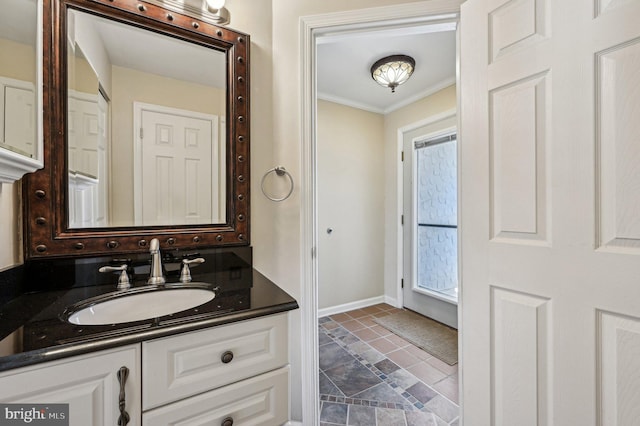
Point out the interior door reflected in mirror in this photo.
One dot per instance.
(18, 76)
(146, 127)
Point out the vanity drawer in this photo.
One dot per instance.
(261, 400)
(180, 366)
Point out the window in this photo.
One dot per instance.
(437, 219)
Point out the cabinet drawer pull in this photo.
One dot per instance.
(227, 357)
(123, 374)
(227, 422)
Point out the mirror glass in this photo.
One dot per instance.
(146, 127)
(18, 76)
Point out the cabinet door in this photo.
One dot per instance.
(88, 383)
(191, 363)
(261, 400)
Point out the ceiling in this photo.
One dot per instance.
(146, 51)
(344, 65)
(18, 21)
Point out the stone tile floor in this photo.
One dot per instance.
(371, 377)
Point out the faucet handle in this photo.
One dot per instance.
(185, 274)
(123, 279)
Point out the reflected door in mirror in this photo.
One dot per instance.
(176, 152)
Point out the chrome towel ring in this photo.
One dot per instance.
(279, 171)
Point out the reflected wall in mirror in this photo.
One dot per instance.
(19, 79)
(148, 132)
(146, 126)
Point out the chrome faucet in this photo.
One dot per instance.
(185, 274)
(123, 279)
(155, 277)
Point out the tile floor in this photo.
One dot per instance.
(371, 377)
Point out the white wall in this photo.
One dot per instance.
(351, 203)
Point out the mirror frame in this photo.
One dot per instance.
(45, 192)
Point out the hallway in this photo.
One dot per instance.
(371, 377)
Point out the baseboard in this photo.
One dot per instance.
(292, 423)
(350, 306)
(392, 301)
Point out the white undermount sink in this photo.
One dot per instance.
(137, 306)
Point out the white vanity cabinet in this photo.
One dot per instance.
(234, 374)
(88, 383)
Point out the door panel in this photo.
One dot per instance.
(517, 120)
(618, 104)
(550, 216)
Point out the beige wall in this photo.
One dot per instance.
(131, 86)
(17, 60)
(255, 18)
(350, 175)
(82, 78)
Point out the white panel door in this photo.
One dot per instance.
(177, 176)
(550, 212)
(19, 118)
(83, 133)
(85, 141)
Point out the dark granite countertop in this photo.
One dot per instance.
(33, 327)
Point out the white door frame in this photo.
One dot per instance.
(311, 27)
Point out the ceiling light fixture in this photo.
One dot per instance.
(217, 11)
(393, 70)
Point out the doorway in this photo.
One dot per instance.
(310, 212)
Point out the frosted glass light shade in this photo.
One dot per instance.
(393, 70)
(217, 12)
(215, 4)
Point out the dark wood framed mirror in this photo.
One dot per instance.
(146, 132)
